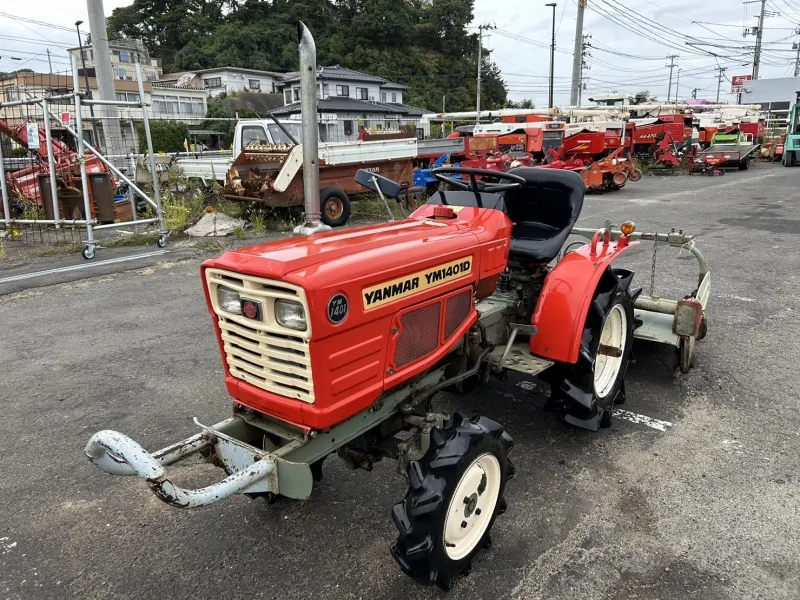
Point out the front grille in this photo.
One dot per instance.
(261, 351)
(456, 311)
(419, 334)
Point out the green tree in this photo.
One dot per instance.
(524, 103)
(643, 97)
(168, 136)
(424, 44)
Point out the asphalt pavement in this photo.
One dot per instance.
(693, 493)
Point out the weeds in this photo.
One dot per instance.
(239, 234)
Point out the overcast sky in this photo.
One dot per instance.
(629, 52)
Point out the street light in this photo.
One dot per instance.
(552, 53)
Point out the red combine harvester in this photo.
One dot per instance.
(24, 183)
(649, 132)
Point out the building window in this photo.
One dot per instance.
(296, 92)
(254, 84)
(394, 97)
(121, 73)
(325, 90)
(362, 93)
(127, 97)
(287, 96)
(348, 126)
(213, 82)
(152, 75)
(191, 106)
(383, 96)
(87, 55)
(122, 56)
(343, 90)
(165, 105)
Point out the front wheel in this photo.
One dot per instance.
(455, 492)
(592, 386)
(635, 175)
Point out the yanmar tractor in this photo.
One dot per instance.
(337, 342)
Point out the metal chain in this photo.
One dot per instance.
(653, 268)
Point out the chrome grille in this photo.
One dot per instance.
(262, 352)
(419, 335)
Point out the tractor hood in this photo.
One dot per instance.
(348, 252)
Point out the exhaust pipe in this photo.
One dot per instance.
(308, 114)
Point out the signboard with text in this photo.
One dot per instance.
(32, 131)
(65, 118)
(738, 82)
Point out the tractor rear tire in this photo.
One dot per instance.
(334, 206)
(455, 493)
(591, 387)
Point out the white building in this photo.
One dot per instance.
(776, 97)
(230, 79)
(124, 56)
(348, 101)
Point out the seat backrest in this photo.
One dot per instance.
(552, 197)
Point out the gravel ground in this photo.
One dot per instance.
(708, 508)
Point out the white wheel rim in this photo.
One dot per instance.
(614, 335)
(472, 506)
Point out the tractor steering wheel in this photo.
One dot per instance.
(475, 186)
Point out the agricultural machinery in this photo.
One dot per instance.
(337, 342)
(24, 183)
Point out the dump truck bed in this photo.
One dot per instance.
(738, 152)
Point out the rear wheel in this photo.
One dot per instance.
(455, 492)
(335, 206)
(592, 386)
(635, 175)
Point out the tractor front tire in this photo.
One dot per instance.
(592, 386)
(455, 493)
(334, 206)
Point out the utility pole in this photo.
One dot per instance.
(719, 80)
(49, 62)
(480, 56)
(677, 86)
(577, 56)
(757, 56)
(585, 45)
(671, 66)
(552, 55)
(796, 45)
(694, 93)
(112, 134)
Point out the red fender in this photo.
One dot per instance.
(564, 302)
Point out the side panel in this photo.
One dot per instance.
(568, 290)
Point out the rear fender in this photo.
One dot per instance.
(567, 293)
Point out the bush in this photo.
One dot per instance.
(168, 136)
(19, 152)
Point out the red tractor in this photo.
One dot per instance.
(337, 343)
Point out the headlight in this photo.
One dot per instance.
(290, 314)
(229, 300)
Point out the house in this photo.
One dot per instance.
(124, 56)
(349, 101)
(230, 79)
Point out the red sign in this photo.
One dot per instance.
(65, 118)
(738, 81)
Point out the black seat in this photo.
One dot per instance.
(544, 211)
